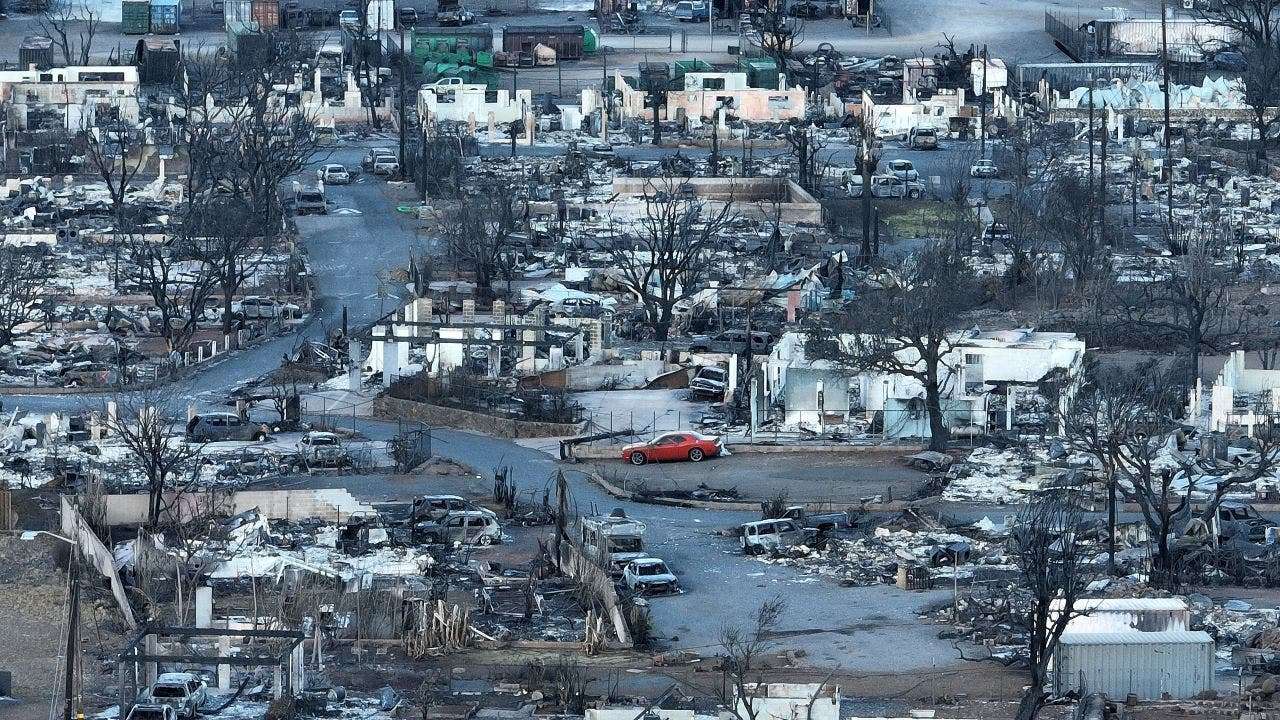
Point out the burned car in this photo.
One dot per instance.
(183, 691)
(709, 383)
(771, 535)
(650, 576)
(468, 527)
(436, 507)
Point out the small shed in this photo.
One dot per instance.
(1146, 664)
(35, 50)
(567, 40)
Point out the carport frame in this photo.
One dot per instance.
(133, 654)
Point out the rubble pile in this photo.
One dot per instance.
(874, 558)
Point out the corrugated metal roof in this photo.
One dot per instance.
(1122, 604)
(1168, 637)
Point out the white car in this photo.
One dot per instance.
(903, 170)
(984, 169)
(386, 165)
(334, 174)
(650, 576)
(349, 19)
(150, 711)
(183, 691)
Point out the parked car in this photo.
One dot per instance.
(692, 11)
(212, 427)
(183, 691)
(435, 507)
(309, 201)
(333, 174)
(151, 711)
(678, 445)
(923, 139)
(650, 576)
(455, 18)
(769, 535)
(984, 169)
(709, 383)
(366, 163)
(407, 16)
(733, 341)
(386, 165)
(349, 19)
(253, 307)
(576, 307)
(600, 151)
(885, 186)
(469, 527)
(89, 374)
(323, 449)
(903, 170)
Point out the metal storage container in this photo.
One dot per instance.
(135, 17)
(247, 47)
(475, 37)
(566, 40)
(266, 14)
(35, 50)
(1146, 664)
(165, 16)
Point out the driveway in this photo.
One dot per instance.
(813, 477)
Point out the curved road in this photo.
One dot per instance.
(857, 629)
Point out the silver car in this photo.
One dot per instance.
(182, 691)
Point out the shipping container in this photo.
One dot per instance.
(35, 50)
(691, 66)
(165, 16)
(566, 40)
(1146, 664)
(249, 47)
(475, 37)
(1094, 40)
(135, 17)
(156, 60)
(265, 14)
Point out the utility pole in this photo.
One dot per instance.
(608, 94)
(1102, 177)
(73, 638)
(1133, 165)
(1168, 146)
(982, 121)
(1089, 138)
(401, 65)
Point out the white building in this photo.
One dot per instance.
(791, 701)
(472, 103)
(990, 380)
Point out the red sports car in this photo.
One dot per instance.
(679, 445)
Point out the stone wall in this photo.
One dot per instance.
(441, 416)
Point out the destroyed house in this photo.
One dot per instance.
(702, 93)
(990, 381)
(472, 103)
(70, 98)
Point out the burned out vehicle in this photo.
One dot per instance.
(436, 507)
(709, 383)
(151, 711)
(212, 427)
(733, 341)
(183, 691)
(650, 576)
(324, 449)
(614, 539)
(363, 532)
(771, 535)
(468, 528)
